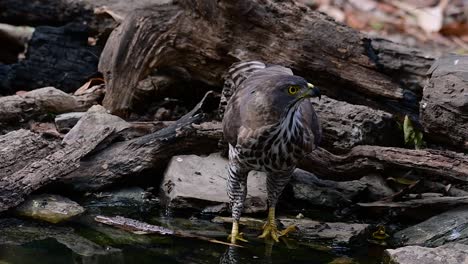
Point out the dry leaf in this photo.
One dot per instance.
(455, 29)
(429, 19)
(92, 82)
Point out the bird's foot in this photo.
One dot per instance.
(270, 230)
(235, 235)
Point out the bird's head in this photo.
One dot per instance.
(288, 91)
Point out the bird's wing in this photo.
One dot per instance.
(312, 122)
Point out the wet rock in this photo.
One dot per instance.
(50, 208)
(377, 187)
(19, 232)
(65, 122)
(126, 201)
(452, 253)
(451, 226)
(334, 233)
(199, 183)
(307, 187)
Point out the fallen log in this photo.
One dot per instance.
(48, 100)
(22, 147)
(444, 107)
(448, 165)
(346, 125)
(429, 202)
(15, 187)
(190, 134)
(206, 37)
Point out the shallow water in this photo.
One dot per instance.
(85, 241)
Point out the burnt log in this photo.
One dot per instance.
(206, 37)
(444, 107)
(70, 62)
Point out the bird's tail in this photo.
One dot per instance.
(234, 77)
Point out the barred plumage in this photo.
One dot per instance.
(268, 128)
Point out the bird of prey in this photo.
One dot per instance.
(270, 125)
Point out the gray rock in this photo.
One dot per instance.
(307, 187)
(196, 182)
(333, 232)
(50, 208)
(65, 122)
(452, 253)
(451, 226)
(98, 117)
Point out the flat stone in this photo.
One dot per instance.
(451, 226)
(334, 233)
(199, 183)
(452, 253)
(50, 208)
(95, 118)
(309, 188)
(65, 122)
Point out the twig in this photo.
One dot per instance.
(138, 227)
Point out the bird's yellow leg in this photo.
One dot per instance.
(235, 235)
(270, 230)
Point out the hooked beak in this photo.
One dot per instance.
(313, 91)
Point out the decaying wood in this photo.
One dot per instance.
(22, 147)
(415, 203)
(364, 159)
(138, 227)
(48, 100)
(444, 108)
(70, 62)
(206, 37)
(345, 125)
(188, 135)
(16, 187)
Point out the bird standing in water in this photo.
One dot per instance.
(270, 125)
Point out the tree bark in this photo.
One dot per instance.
(22, 147)
(206, 37)
(444, 108)
(16, 187)
(365, 159)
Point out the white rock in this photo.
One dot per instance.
(452, 253)
(192, 181)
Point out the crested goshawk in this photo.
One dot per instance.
(270, 125)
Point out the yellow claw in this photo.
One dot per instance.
(270, 230)
(235, 235)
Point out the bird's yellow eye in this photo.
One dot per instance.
(292, 90)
